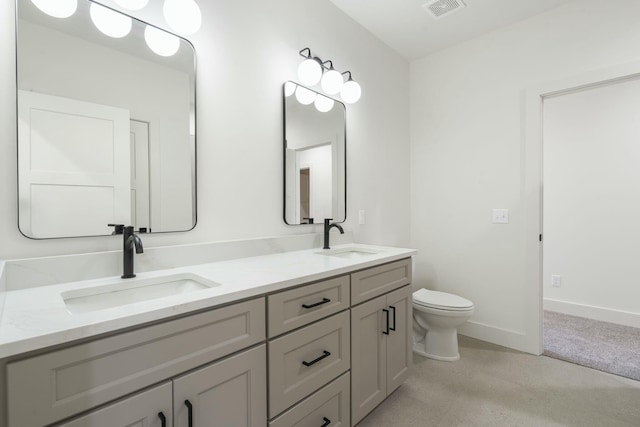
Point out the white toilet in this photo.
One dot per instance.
(436, 317)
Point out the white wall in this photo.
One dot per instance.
(467, 154)
(246, 50)
(592, 202)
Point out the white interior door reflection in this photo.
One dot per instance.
(314, 183)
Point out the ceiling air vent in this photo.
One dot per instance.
(441, 8)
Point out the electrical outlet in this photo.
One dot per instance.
(501, 216)
(556, 280)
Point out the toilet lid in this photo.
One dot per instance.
(441, 300)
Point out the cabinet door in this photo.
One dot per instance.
(231, 392)
(140, 410)
(368, 357)
(400, 340)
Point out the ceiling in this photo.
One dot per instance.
(409, 29)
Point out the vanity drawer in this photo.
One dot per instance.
(56, 385)
(328, 406)
(295, 308)
(372, 282)
(303, 361)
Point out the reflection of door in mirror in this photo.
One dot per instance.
(304, 193)
(71, 183)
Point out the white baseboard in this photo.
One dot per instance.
(592, 312)
(504, 337)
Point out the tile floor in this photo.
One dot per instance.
(496, 386)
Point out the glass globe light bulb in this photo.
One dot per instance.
(309, 72)
(350, 92)
(161, 42)
(110, 22)
(57, 9)
(323, 103)
(305, 96)
(132, 4)
(332, 82)
(183, 16)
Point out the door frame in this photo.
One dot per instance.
(532, 183)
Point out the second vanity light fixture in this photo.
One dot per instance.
(313, 70)
(183, 16)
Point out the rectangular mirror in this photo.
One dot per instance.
(106, 126)
(315, 170)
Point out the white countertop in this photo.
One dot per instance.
(37, 317)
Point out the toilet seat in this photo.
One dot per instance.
(441, 301)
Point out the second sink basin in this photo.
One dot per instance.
(123, 292)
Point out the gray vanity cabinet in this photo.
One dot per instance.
(232, 392)
(380, 349)
(147, 409)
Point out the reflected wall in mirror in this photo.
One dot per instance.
(314, 157)
(106, 127)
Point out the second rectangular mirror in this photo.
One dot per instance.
(314, 157)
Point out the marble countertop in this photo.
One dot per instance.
(37, 318)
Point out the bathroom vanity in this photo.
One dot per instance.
(311, 336)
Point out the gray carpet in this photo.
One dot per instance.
(600, 345)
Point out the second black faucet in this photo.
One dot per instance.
(328, 225)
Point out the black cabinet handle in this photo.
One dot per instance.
(326, 422)
(163, 419)
(314, 361)
(324, 301)
(393, 328)
(386, 312)
(190, 412)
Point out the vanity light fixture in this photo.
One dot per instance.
(57, 9)
(183, 16)
(309, 70)
(110, 22)
(161, 42)
(351, 91)
(332, 80)
(312, 71)
(289, 88)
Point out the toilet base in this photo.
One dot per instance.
(418, 348)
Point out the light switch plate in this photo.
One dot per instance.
(361, 217)
(501, 216)
(556, 280)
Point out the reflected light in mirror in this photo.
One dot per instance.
(183, 16)
(57, 9)
(161, 42)
(350, 92)
(305, 96)
(309, 72)
(323, 104)
(332, 82)
(110, 22)
(289, 88)
(132, 4)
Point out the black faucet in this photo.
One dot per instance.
(327, 227)
(130, 240)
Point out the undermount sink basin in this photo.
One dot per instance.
(352, 253)
(123, 292)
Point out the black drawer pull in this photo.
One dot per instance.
(190, 412)
(326, 422)
(314, 361)
(393, 328)
(163, 419)
(324, 301)
(386, 312)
